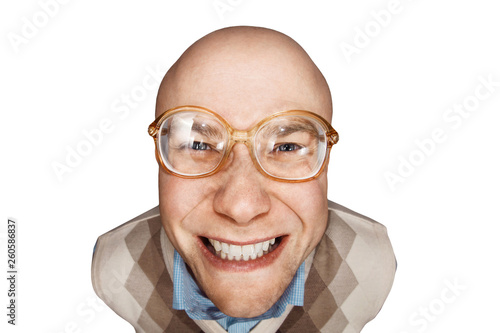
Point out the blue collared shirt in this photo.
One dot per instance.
(189, 297)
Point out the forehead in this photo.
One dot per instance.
(245, 89)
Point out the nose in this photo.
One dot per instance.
(241, 196)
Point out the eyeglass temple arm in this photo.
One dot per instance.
(333, 137)
(152, 130)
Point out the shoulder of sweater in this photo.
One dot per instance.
(361, 224)
(113, 258)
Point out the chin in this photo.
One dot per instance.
(244, 313)
(245, 305)
(246, 294)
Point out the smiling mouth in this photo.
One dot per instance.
(227, 251)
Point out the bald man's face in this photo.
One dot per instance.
(238, 205)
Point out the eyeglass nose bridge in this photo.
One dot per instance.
(246, 138)
(241, 136)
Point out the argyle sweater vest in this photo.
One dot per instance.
(349, 276)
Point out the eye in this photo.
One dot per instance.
(287, 147)
(197, 145)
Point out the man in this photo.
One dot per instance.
(244, 237)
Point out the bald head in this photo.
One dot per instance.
(237, 70)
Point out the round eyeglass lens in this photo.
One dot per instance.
(191, 143)
(291, 147)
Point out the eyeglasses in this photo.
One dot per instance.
(289, 146)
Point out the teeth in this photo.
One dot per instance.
(235, 250)
(258, 248)
(245, 252)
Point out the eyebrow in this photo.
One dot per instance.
(196, 125)
(206, 130)
(285, 130)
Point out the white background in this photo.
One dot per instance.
(72, 71)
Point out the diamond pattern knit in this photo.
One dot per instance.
(349, 276)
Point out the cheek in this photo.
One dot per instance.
(173, 198)
(179, 196)
(309, 202)
(176, 199)
(308, 199)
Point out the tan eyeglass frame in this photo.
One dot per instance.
(245, 137)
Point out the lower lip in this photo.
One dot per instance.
(241, 265)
